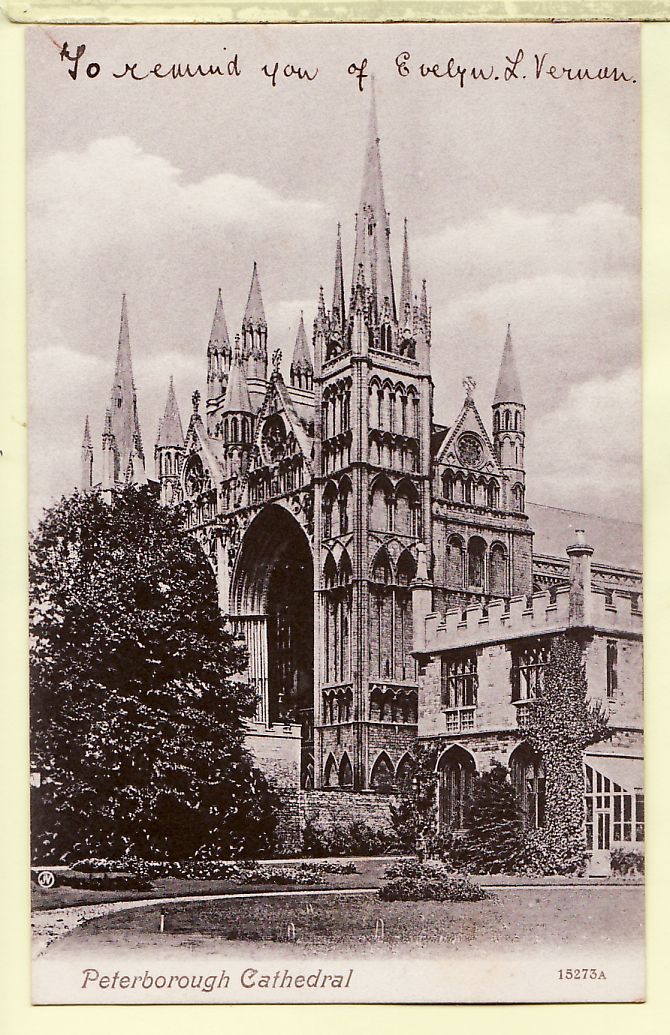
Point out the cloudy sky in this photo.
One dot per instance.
(522, 198)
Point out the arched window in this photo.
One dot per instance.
(476, 554)
(233, 430)
(381, 616)
(404, 665)
(496, 421)
(346, 772)
(518, 497)
(330, 772)
(168, 465)
(448, 485)
(405, 772)
(455, 556)
(467, 491)
(498, 570)
(494, 495)
(506, 420)
(516, 420)
(344, 503)
(382, 777)
(329, 497)
(456, 772)
(381, 508)
(527, 771)
(406, 503)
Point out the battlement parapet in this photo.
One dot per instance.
(546, 612)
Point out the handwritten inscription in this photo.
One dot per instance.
(514, 67)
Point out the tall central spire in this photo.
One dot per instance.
(373, 253)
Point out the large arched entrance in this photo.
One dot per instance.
(272, 604)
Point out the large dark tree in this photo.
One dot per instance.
(493, 820)
(137, 718)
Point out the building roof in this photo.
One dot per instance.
(615, 542)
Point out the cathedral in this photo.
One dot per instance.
(331, 501)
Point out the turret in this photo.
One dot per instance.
(169, 448)
(255, 332)
(237, 416)
(302, 370)
(86, 459)
(509, 419)
(218, 353)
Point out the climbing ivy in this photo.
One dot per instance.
(560, 725)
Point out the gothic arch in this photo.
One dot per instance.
(330, 571)
(346, 772)
(382, 774)
(405, 771)
(476, 563)
(406, 568)
(455, 562)
(456, 770)
(273, 536)
(380, 569)
(330, 772)
(498, 569)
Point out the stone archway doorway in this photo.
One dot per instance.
(272, 605)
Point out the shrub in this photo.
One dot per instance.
(355, 839)
(543, 853)
(329, 867)
(420, 882)
(100, 866)
(493, 820)
(107, 882)
(627, 862)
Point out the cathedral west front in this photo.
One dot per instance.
(326, 495)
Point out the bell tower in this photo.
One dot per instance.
(372, 498)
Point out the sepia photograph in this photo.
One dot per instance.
(336, 672)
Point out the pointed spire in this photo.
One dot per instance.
(338, 312)
(171, 432)
(86, 443)
(124, 420)
(219, 336)
(372, 228)
(406, 284)
(237, 390)
(508, 389)
(302, 368)
(301, 357)
(255, 313)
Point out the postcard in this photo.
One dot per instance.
(336, 555)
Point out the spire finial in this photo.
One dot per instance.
(406, 283)
(195, 400)
(469, 384)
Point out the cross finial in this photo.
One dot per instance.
(469, 384)
(195, 399)
(276, 360)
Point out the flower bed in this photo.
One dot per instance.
(431, 881)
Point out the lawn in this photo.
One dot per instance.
(369, 873)
(586, 916)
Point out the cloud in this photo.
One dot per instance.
(585, 454)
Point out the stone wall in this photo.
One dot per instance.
(331, 810)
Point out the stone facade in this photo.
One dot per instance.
(338, 510)
(483, 666)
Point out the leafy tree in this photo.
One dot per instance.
(137, 721)
(493, 820)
